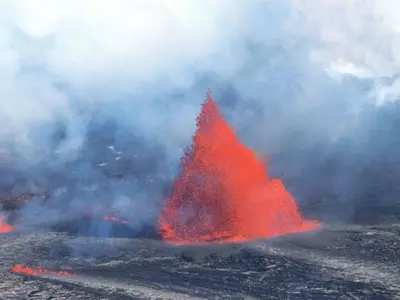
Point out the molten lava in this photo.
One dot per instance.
(115, 219)
(224, 192)
(39, 271)
(110, 218)
(4, 227)
(106, 217)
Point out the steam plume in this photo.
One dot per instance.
(95, 91)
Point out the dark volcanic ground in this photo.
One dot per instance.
(334, 263)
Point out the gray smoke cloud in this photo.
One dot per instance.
(98, 98)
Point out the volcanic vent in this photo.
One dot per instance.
(224, 192)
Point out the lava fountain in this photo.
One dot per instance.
(224, 193)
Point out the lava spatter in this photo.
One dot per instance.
(39, 271)
(224, 192)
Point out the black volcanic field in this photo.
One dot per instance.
(336, 262)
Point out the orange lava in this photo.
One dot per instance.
(4, 227)
(115, 219)
(224, 193)
(106, 217)
(39, 271)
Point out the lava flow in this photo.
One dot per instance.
(106, 217)
(4, 227)
(115, 219)
(39, 271)
(224, 193)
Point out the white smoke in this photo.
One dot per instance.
(147, 48)
(306, 72)
(357, 38)
(101, 48)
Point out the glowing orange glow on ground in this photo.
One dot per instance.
(115, 219)
(106, 217)
(4, 227)
(39, 271)
(224, 192)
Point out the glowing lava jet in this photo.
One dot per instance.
(224, 193)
